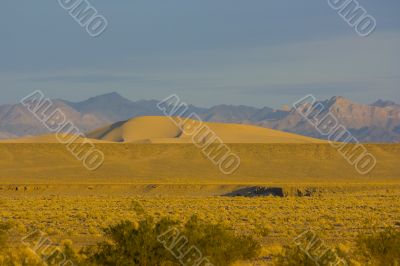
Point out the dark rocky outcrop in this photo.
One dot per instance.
(257, 191)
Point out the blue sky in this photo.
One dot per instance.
(259, 52)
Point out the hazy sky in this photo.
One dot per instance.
(258, 52)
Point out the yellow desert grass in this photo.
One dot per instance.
(337, 216)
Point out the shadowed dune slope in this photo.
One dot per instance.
(161, 129)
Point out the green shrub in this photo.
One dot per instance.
(219, 244)
(293, 256)
(155, 243)
(130, 244)
(380, 248)
(137, 207)
(4, 228)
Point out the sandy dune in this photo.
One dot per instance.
(159, 129)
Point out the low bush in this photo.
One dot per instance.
(379, 248)
(167, 242)
(4, 227)
(294, 256)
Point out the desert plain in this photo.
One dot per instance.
(285, 184)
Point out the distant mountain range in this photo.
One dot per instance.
(376, 122)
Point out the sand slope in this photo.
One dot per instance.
(160, 129)
(185, 163)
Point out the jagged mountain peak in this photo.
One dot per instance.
(110, 97)
(338, 101)
(384, 103)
